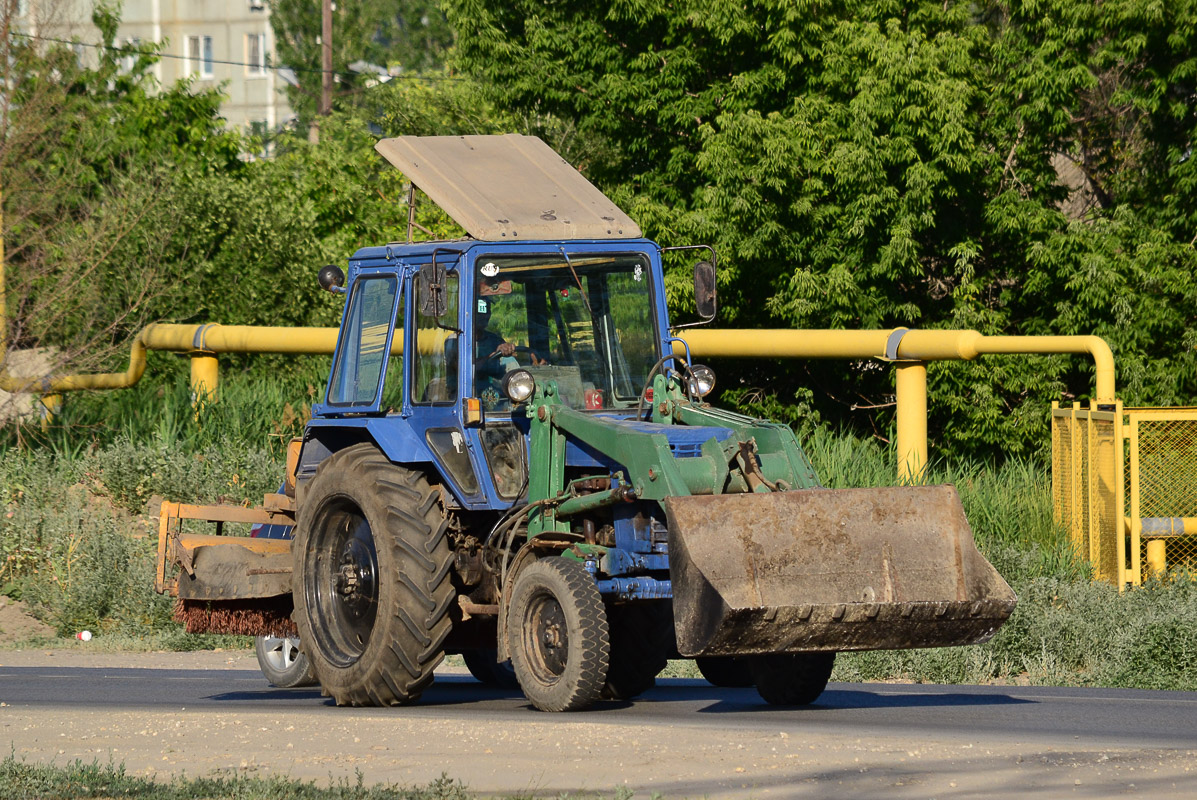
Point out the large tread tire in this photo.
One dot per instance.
(282, 662)
(726, 672)
(485, 667)
(372, 584)
(792, 679)
(641, 640)
(557, 635)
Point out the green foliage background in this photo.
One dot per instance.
(882, 164)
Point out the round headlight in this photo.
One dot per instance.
(701, 380)
(518, 385)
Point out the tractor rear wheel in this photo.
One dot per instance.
(641, 640)
(372, 584)
(557, 635)
(726, 672)
(792, 679)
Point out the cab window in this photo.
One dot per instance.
(362, 351)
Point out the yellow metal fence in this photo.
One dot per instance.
(1124, 486)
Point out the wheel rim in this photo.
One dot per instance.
(280, 652)
(344, 589)
(546, 638)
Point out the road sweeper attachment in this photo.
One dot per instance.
(228, 583)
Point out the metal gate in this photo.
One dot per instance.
(1124, 487)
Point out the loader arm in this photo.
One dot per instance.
(654, 472)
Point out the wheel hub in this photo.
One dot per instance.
(551, 637)
(344, 596)
(354, 580)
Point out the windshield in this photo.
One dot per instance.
(586, 323)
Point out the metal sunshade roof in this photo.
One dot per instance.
(510, 187)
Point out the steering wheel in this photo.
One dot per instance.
(536, 360)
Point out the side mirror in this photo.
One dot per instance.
(432, 290)
(331, 278)
(704, 290)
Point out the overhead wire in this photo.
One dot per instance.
(135, 51)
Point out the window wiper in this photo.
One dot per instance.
(578, 281)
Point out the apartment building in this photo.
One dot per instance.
(225, 44)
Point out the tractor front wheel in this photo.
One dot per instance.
(792, 679)
(557, 635)
(372, 587)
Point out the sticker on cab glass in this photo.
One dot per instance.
(490, 269)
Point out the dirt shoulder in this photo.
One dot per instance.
(550, 754)
(18, 625)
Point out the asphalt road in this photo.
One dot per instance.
(1105, 716)
(683, 738)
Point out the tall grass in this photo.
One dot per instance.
(1008, 506)
(261, 411)
(1066, 630)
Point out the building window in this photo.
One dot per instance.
(199, 55)
(255, 54)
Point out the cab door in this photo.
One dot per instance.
(435, 364)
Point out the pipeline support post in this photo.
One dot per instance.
(1157, 557)
(205, 376)
(910, 386)
(48, 407)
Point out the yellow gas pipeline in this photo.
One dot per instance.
(203, 341)
(909, 350)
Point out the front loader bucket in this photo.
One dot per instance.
(829, 569)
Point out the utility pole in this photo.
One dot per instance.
(326, 83)
(326, 76)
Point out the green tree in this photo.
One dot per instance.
(89, 156)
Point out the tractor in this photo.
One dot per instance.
(514, 460)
